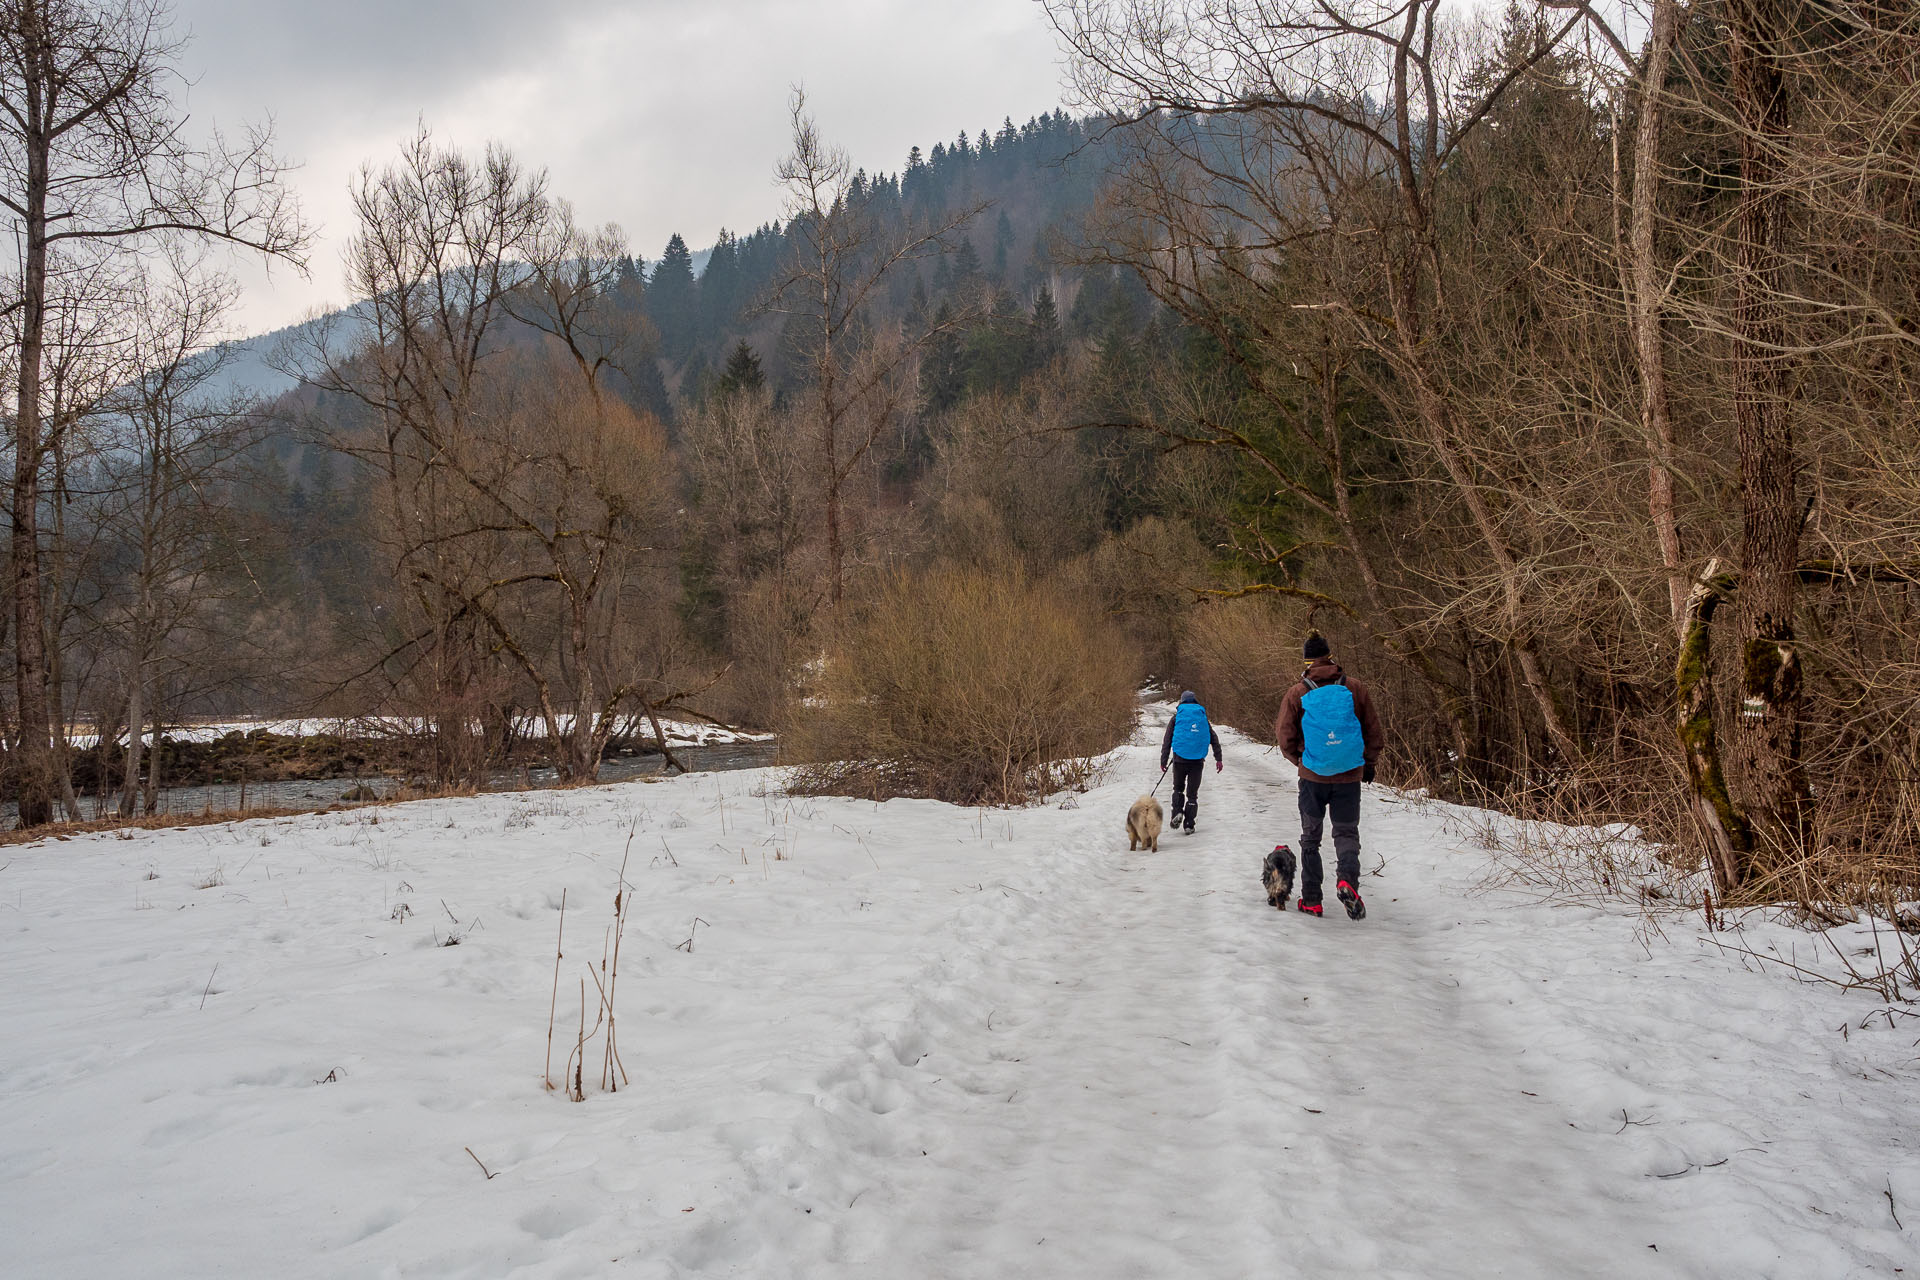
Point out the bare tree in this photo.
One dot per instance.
(169, 457)
(441, 245)
(859, 367)
(1362, 105)
(523, 504)
(94, 156)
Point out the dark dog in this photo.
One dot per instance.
(1277, 875)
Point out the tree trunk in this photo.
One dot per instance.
(153, 763)
(1772, 780)
(1646, 300)
(1518, 633)
(130, 775)
(34, 751)
(1729, 839)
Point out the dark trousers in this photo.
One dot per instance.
(1316, 798)
(1186, 783)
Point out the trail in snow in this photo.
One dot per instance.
(1148, 1072)
(909, 1040)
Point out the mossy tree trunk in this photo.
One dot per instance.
(1729, 837)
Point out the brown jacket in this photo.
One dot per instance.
(1293, 744)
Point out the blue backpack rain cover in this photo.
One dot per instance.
(1191, 732)
(1330, 730)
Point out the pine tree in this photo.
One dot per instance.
(1045, 325)
(719, 287)
(966, 262)
(1002, 243)
(672, 300)
(943, 372)
(742, 373)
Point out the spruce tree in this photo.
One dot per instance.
(1045, 325)
(742, 372)
(1002, 243)
(719, 287)
(943, 372)
(966, 262)
(672, 300)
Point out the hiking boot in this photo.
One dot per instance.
(1311, 908)
(1350, 899)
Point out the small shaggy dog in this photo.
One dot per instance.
(1277, 875)
(1143, 824)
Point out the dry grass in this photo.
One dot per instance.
(969, 687)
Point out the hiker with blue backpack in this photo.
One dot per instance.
(1189, 735)
(1329, 729)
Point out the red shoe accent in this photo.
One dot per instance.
(1311, 908)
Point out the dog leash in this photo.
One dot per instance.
(1156, 785)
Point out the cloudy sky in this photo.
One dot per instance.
(661, 115)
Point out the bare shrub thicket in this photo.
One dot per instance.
(965, 687)
(1241, 656)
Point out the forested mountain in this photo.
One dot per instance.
(1032, 186)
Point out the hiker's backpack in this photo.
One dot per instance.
(1191, 732)
(1330, 729)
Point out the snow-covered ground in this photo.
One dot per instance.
(679, 732)
(909, 1040)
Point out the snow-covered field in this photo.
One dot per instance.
(909, 1040)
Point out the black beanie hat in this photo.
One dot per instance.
(1315, 647)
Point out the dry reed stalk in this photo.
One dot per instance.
(553, 1003)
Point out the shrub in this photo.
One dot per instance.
(965, 686)
(1241, 656)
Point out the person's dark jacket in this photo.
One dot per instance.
(1166, 745)
(1293, 743)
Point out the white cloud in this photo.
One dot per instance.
(661, 116)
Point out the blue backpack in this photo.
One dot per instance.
(1330, 730)
(1191, 732)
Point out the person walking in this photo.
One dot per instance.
(1329, 729)
(1188, 736)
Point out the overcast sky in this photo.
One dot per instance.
(661, 115)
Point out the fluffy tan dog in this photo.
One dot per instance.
(1143, 824)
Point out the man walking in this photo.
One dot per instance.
(1329, 729)
(1188, 737)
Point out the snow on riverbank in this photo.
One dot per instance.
(908, 1040)
(679, 733)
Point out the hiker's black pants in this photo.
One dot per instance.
(1186, 788)
(1316, 798)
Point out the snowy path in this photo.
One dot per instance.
(910, 1040)
(1151, 1047)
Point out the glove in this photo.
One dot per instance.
(1366, 775)
(1218, 765)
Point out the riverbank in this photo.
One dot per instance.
(256, 773)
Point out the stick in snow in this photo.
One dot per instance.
(209, 986)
